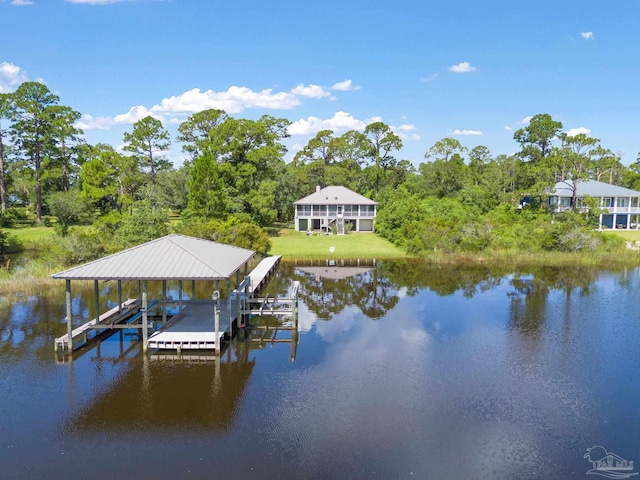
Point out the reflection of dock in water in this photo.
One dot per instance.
(170, 394)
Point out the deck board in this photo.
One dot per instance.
(262, 272)
(192, 329)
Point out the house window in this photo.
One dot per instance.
(332, 210)
(607, 202)
(366, 210)
(565, 201)
(623, 202)
(316, 210)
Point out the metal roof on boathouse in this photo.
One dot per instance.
(174, 257)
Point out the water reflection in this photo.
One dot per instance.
(170, 394)
(466, 372)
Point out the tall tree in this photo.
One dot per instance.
(147, 139)
(318, 154)
(536, 142)
(194, 131)
(381, 143)
(446, 173)
(575, 161)
(444, 149)
(239, 155)
(5, 103)
(65, 138)
(31, 128)
(537, 137)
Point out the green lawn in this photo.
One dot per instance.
(633, 235)
(292, 244)
(30, 234)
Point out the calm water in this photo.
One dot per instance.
(401, 371)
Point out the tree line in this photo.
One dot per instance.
(236, 181)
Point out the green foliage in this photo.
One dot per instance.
(147, 139)
(240, 158)
(17, 216)
(144, 223)
(232, 231)
(4, 237)
(73, 249)
(70, 209)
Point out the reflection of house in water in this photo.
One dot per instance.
(334, 272)
(161, 395)
(327, 289)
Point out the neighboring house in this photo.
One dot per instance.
(337, 206)
(621, 205)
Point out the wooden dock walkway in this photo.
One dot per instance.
(262, 272)
(110, 319)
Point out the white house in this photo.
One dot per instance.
(621, 205)
(337, 206)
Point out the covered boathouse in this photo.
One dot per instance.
(171, 258)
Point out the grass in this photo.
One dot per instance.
(631, 235)
(297, 245)
(30, 234)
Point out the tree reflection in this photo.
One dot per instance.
(529, 297)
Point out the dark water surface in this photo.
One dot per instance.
(402, 371)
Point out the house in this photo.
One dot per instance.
(621, 205)
(335, 205)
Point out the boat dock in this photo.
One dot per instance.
(117, 317)
(198, 324)
(191, 329)
(261, 274)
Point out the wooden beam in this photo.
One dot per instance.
(69, 322)
(145, 332)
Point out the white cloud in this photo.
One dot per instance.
(462, 67)
(21, 3)
(406, 131)
(525, 120)
(507, 128)
(310, 91)
(428, 79)
(134, 114)
(587, 35)
(466, 132)
(340, 122)
(87, 122)
(345, 86)
(234, 100)
(10, 77)
(577, 131)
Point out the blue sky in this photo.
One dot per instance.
(429, 69)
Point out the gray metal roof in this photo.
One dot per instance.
(174, 257)
(592, 188)
(335, 196)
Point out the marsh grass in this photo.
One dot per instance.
(28, 279)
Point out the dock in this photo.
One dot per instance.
(262, 273)
(198, 324)
(191, 329)
(110, 319)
